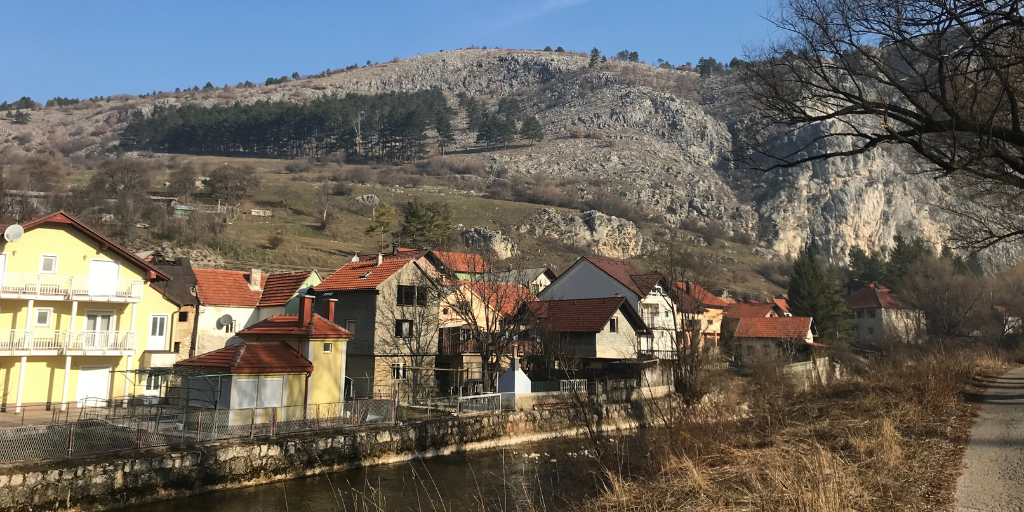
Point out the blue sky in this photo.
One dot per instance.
(83, 49)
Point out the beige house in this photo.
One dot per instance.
(772, 336)
(587, 333)
(878, 317)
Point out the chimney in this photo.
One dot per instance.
(331, 304)
(305, 310)
(255, 277)
(380, 258)
(394, 247)
(355, 257)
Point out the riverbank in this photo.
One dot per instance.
(126, 478)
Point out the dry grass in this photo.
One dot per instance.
(889, 438)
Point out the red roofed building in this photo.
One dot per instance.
(597, 330)
(285, 360)
(878, 317)
(592, 277)
(700, 309)
(772, 335)
(391, 307)
(231, 300)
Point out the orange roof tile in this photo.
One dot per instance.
(280, 288)
(742, 310)
(781, 327)
(504, 296)
(226, 287)
(692, 293)
(462, 262)
(873, 296)
(363, 275)
(288, 326)
(248, 357)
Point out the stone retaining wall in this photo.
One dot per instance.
(125, 478)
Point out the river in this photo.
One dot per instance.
(551, 473)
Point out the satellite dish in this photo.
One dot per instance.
(13, 232)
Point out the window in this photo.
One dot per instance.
(350, 325)
(871, 314)
(271, 389)
(154, 382)
(666, 314)
(860, 314)
(157, 326)
(245, 393)
(406, 295)
(403, 328)
(43, 317)
(613, 325)
(177, 347)
(445, 311)
(328, 347)
(871, 331)
(183, 316)
(48, 264)
(534, 288)
(399, 371)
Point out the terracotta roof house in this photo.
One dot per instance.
(700, 309)
(592, 277)
(878, 317)
(752, 310)
(285, 360)
(598, 330)
(536, 279)
(772, 335)
(231, 300)
(391, 307)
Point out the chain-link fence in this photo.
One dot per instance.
(113, 428)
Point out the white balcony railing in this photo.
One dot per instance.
(20, 342)
(70, 287)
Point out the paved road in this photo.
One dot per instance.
(993, 477)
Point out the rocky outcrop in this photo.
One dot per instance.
(483, 239)
(591, 231)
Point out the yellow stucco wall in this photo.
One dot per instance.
(44, 375)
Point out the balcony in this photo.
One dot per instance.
(14, 285)
(73, 343)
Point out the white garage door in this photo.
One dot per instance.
(93, 385)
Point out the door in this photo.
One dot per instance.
(103, 277)
(154, 385)
(157, 333)
(98, 330)
(93, 386)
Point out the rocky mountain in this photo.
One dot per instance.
(656, 138)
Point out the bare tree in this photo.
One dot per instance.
(485, 299)
(954, 304)
(941, 77)
(407, 326)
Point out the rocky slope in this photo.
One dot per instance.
(657, 137)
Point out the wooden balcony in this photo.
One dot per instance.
(14, 285)
(73, 343)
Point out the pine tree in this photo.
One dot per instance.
(866, 268)
(905, 252)
(560, 49)
(547, 48)
(531, 130)
(595, 57)
(426, 224)
(496, 131)
(815, 293)
(445, 133)
(208, 86)
(509, 108)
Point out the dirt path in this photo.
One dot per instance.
(993, 477)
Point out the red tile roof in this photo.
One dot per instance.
(63, 217)
(624, 272)
(873, 296)
(226, 288)
(363, 275)
(401, 253)
(781, 327)
(504, 296)
(248, 357)
(692, 293)
(462, 262)
(288, 326)
(280, 288)
(576, 315)
(743, 310)
(783, 304)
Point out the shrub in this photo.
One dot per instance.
(275, 241)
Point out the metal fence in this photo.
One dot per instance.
(470, 404)
(105, 429)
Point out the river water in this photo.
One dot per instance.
(551, 474)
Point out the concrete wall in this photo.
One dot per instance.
(105, 482)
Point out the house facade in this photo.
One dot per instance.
(591, 277)
(586, 333)
(785, 337)
(700, 311)
(81, 318)
(878, 317)
(231, 300)
(181, 288)
(391, 307)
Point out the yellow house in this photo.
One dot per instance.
(78, 316)
(285, 362)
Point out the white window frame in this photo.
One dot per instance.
(237, 386)
(328, 347)
(49, 317)
(274, 402)
(167, 329)
(42, 257)
(402, 373)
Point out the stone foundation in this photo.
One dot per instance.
(118, 479)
